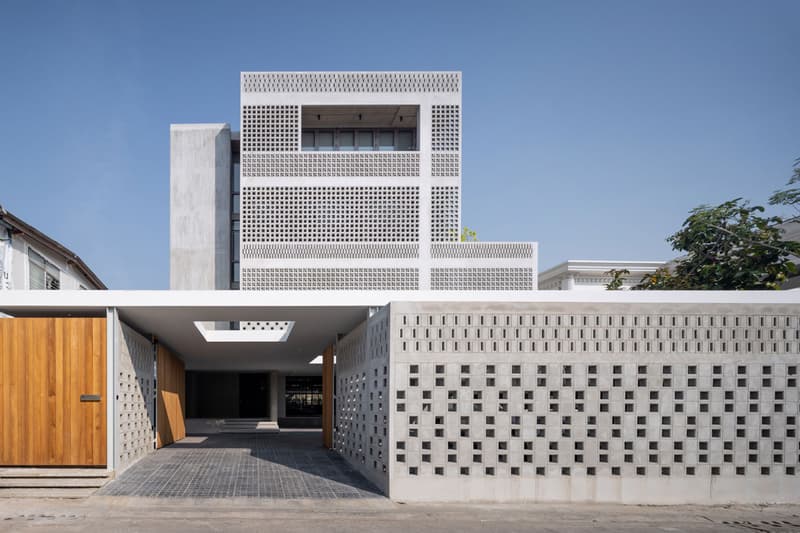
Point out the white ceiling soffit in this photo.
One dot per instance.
(274, 331)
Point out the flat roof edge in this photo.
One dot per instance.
(26, 300)
(199, 126)
(315, 72)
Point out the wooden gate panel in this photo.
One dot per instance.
(171, 398)
(46, 365)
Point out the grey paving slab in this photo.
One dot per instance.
(288, 465)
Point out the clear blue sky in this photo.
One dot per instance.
(590, 127)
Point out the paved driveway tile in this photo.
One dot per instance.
(291, 464)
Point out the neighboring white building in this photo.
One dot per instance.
(791, 232)
(341, 180)
(579, 274)
(29, 259)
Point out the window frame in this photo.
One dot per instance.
(45, 263)
(356, 147)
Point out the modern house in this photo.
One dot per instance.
(338, 181)
(31, 260)
(445, 374)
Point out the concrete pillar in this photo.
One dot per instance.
(274, 397)
(327, 397)
(200, 199)
(424, 142)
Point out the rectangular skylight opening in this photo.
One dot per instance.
(250, 331)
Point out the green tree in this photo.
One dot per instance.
(661, 279)
(468, 235)
(617, 278)
(790, 196)
(727, 247)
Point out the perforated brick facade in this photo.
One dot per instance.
(314, 279)
(481, 279)
(362, 399)
(445, 214)
(351, 82)
(330, 214)
(310, 219)
(636, 403)
(270, 128)
(353, 250)
(135, 391)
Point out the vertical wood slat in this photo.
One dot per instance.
(46, 364)
(327, 397)
(171, 398)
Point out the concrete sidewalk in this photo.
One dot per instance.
(175, 515)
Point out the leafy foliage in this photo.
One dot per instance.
(728, 247)
(661, 279)
(617, 278)
(468, 235)
(791, 195)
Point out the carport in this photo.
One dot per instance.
(198, 332)
(145, 343)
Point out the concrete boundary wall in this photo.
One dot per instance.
(135, 396)
(594, 402)
(362, 386)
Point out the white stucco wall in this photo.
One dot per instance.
(19, 276)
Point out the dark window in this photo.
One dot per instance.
(348, 140)
(303, 396)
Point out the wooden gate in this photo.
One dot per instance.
(53, 391)
(171, 398)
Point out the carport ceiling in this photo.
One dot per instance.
(314, 329)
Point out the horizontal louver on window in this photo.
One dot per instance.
(43, 275)
(37, 276)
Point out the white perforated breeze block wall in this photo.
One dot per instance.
(135, 413)
(483, 266)
(633, 403)
(330, 214)
(362, 384)
(359, 220)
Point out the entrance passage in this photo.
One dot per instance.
(227, 394)
(289, 465)
(253, 396)
(53, 391)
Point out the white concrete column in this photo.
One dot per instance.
(424, 143)
(274, 395)
(200, 199)
(112, 428)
